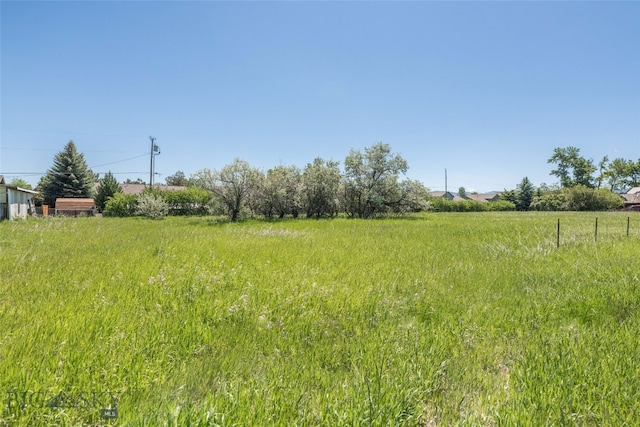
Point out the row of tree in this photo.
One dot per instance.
(573, 170)
(581, 184)
(577, 198)
(369, 185)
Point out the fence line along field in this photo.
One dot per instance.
(440, 319)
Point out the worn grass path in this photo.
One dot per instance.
(440, 319)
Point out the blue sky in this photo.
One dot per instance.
(486, 90)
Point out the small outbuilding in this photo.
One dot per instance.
(15, 202)
(75, 206)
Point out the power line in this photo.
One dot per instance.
(118, 161)
(92, 167)
(70, 132)
(22, 173)
(55, 149)
(121, 173)
(67, 173)
(27, 149)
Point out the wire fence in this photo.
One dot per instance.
(599, 229)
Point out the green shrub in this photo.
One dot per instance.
(190, 201)
(440, 204)
(550, 201)
(579, 198)
(120, 205)
(501, 205)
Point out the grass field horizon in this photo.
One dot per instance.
(429, 320)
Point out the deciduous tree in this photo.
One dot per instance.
(414, 197)
(602, 170)
(371, 181)
(571, 168)
(178, 179)
(280, 192)
(633, 178)
(622, 174)
(320, 186)
(19, 182)
(136, 181)
(232, 185)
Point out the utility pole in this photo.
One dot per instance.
(155, 150)
(445, 182)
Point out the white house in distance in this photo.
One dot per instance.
(15, 202)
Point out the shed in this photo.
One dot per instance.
(75, 206)
(15, 202)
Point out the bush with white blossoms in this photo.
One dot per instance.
(151, 206)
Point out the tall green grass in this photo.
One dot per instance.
(440, 319)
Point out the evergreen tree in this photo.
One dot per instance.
(68, 177)
(509, 196)
(107, 188)
(524, 194)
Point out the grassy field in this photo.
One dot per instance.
(435, 320)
